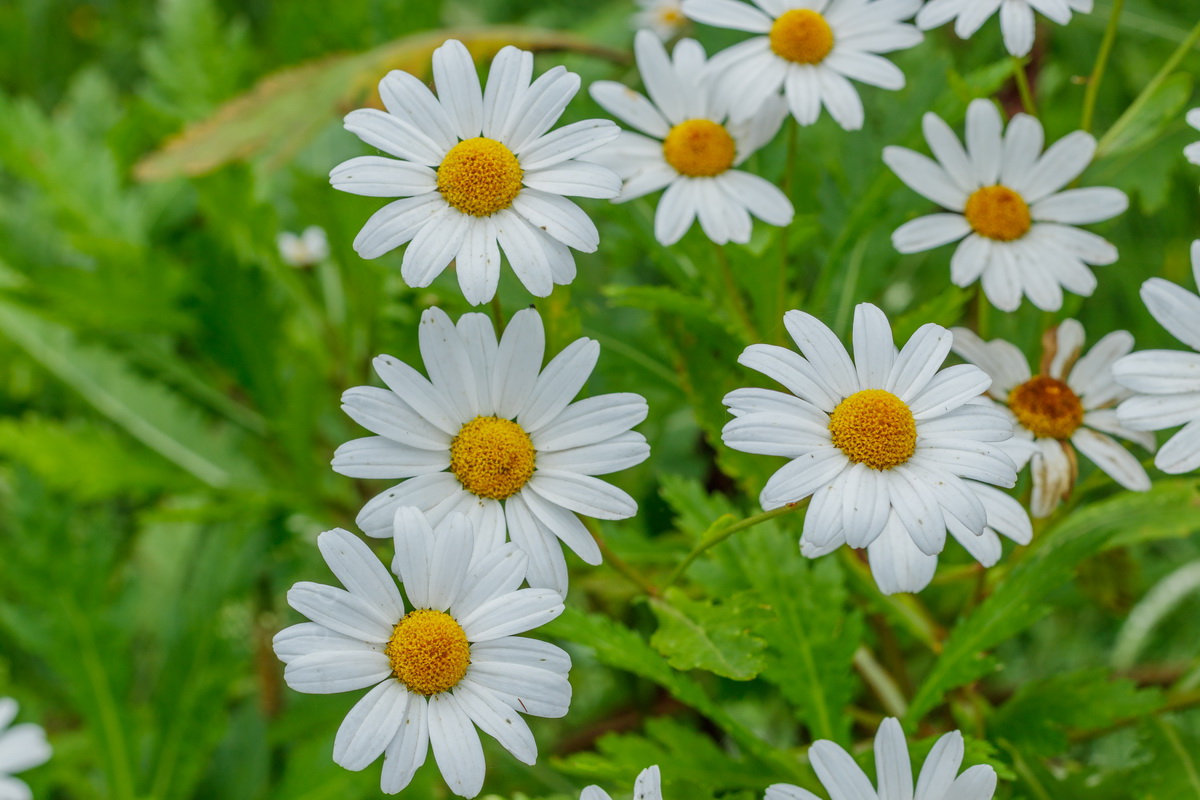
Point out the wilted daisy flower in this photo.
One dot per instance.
(478, 173)
(693, 151)
(664, 17)
(883, 443)
(310, 247)
(449, 664)
(1069, 405)
(1167, 382)
(646, 787)
(1192, 151)
(810, 48)
(843, 779)
(493, 435)
(1004, 194)
(1016, 17)
(21, 747)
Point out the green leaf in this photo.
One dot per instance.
(1161, 109)
(810, 632)
(619, 647)
(1017, 601)
(1037, 717)
(152, 414)
(691, 763)
(708, 635)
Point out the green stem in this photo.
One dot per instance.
(617, 563)
(497, 314)
(881, 682)
(734, 295)
(1023, 87)
(113, 732)
(1140, 101)
(720, 535)
(781, 288)
(1106, 46)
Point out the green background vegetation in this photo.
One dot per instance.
(169, 406)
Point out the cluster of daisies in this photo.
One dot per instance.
(495, 461)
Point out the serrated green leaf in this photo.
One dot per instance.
(709, 635)
(1038, 716)
(622, 648)
(691, 763)
(1017, 601)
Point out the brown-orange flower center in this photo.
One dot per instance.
(1047, 407)
(999, 213)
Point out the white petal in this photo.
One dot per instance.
(341, 611)
(337, 671)
(941, 765)
(630, 107)
(498, 572)
(925, 177)
(558, 383)
(458, 88)
(406, 752)
(361, 572)
(1176, 309)
(918, 361)
(370, 725)
(892, 767)
(434, 246)
(842, 778)
(558, 217)
(583, 494)
(802, 476)
(498, 720)
(1181, 453)
(516, 612)
(896, 563)
(380, 457)
(518, 361)
(374, 176)
(456, 746)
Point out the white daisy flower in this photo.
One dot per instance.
(494, 436)
(882, 443)
(647, 787)
(810, 48)
(693, 151)
(1016, 17)
(843, 779)
(1006, 201)
(21, 747)
(1192, 151)
(1069, 405)
(664, 17)
(310, 247)
(478, 173)
(1167, 382)
(439, 670)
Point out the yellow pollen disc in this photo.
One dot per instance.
(874, 427)
(670, 16)
(479, 176)
(999, 213)
(429, 651)
(492, 457)
(699, 148)
(1048, 408)
(801, 35)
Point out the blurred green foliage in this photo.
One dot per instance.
(170, 406)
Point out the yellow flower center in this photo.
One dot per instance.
(999, 213)
(492, 457)
(671, 15)
(699, 148)
(429, 651)
(801, 35)
(1046, 407)
(874, 427)
(479, 176)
